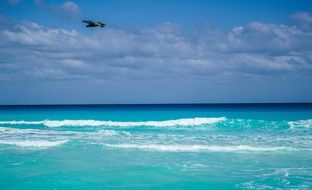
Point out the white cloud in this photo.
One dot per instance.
(303, 19)
(162, 51)
(34, 34)
(259, 37)
(70, 9)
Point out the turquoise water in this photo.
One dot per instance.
(250, 146)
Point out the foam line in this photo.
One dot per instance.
(300, 124)
(33, 143)
(81, 123)
(201, 148)
(22, 122)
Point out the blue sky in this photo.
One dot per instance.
(155, 51)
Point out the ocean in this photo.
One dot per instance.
(191, 146)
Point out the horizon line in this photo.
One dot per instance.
(143, 104)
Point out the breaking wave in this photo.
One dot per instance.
(33, 143)
(94, 123)
(202, 148)
(300, 124)
(22, 122)
(17, 131)
(221, 122)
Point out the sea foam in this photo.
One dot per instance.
(94, 123)
(300, 124)
(22, 122)
(33, 143)
(18, 131)
(201, 148)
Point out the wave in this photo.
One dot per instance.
(18, 131)
(221, 122)
(94, 123)
(22, 122)
(202, 148)
(300, 124)
(6, 132)
(33, 143)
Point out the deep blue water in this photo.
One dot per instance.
(194, 146)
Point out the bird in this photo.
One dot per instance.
(93, 24)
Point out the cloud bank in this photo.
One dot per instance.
(161, 57)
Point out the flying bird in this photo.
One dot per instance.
(93, 24)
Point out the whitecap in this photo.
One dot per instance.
(33, 143)
(166, 123)
(22, 122)
(200, 148)
(10, 130)
(94, 123)
(300, 124)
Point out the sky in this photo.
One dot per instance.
(165, 51)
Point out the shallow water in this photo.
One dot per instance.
(156, 147)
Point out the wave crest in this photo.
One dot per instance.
(200, 148)
(33, 143)
(22, 122)
(300, 124)
(95, 123)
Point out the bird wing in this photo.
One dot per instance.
(102, 24)
(88, 21)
